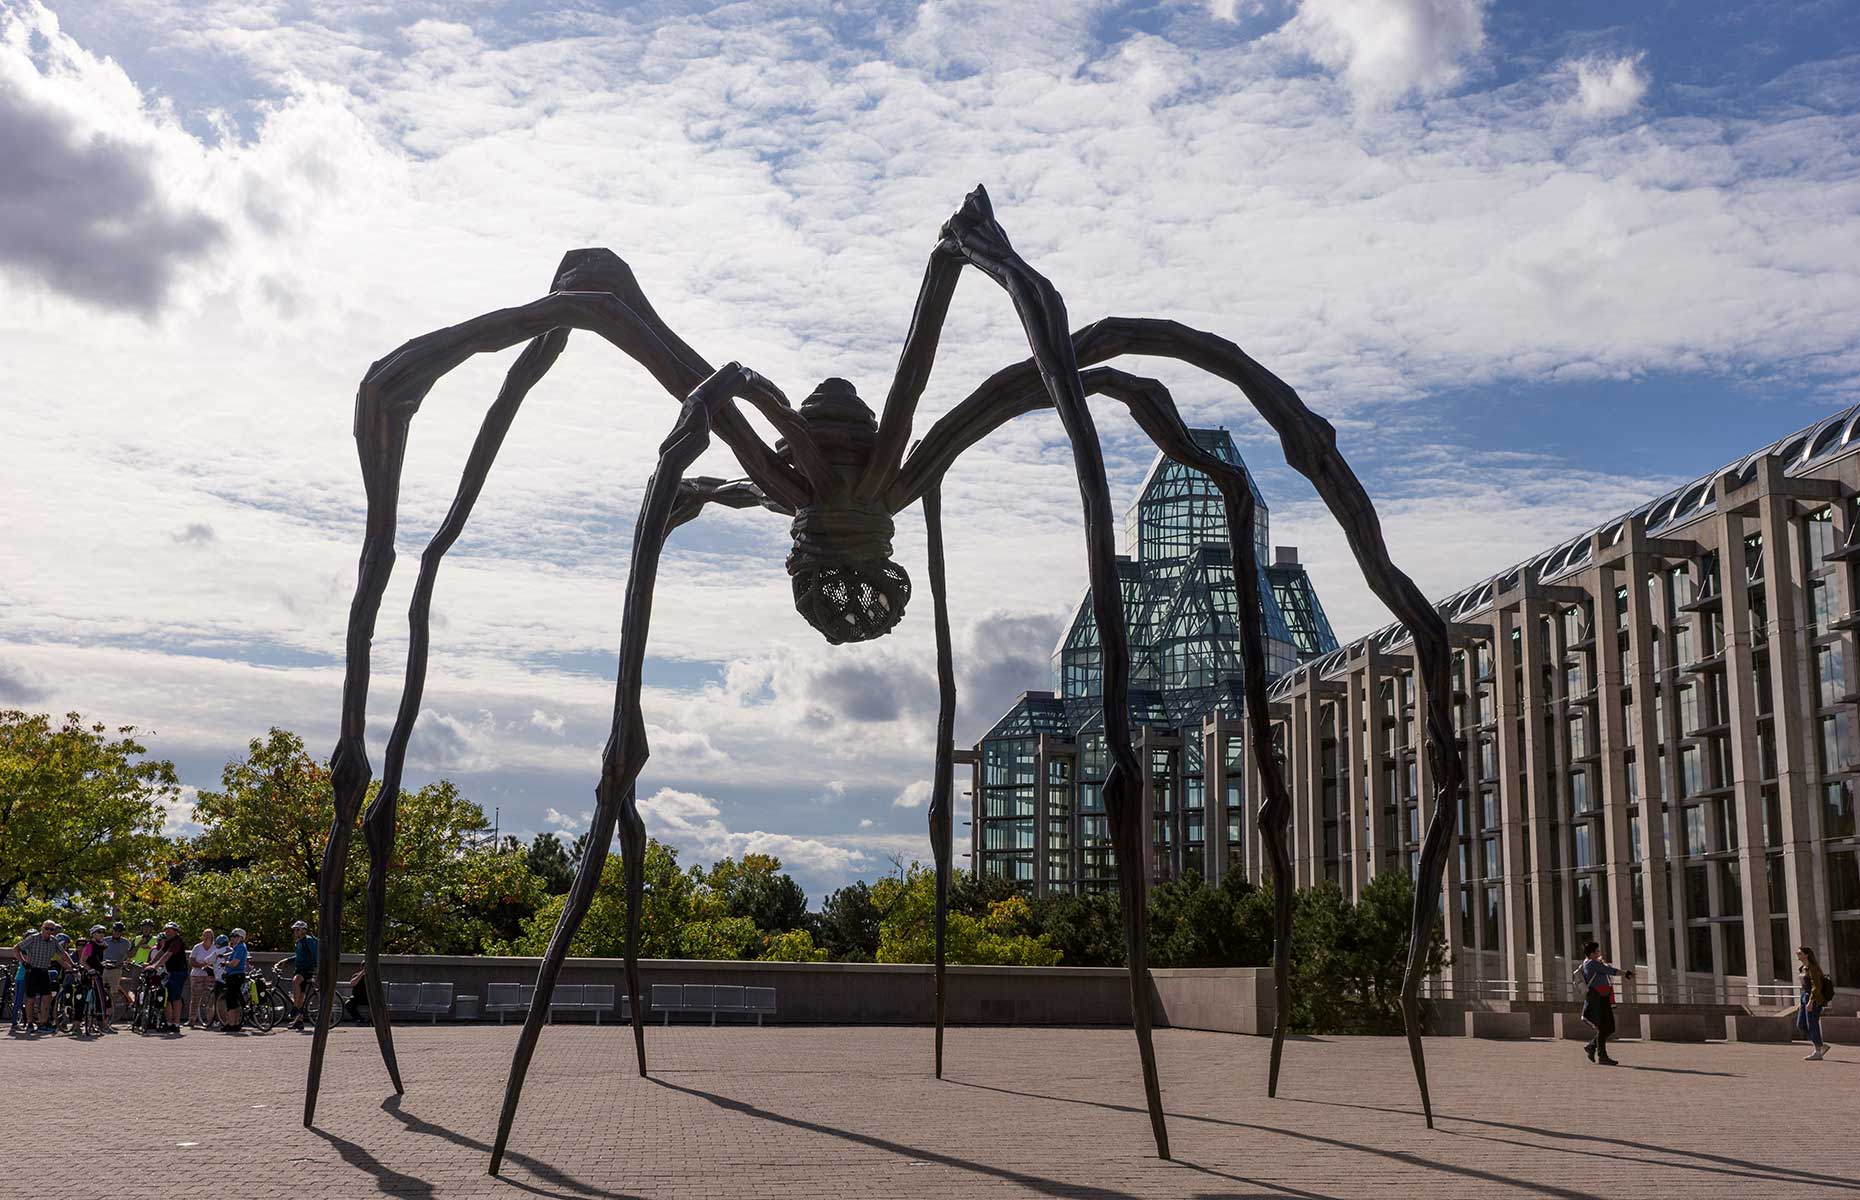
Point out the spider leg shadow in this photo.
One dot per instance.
(1034, 1183)
(576, 1188)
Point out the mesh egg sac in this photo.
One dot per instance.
(852, 602)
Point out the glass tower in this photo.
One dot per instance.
(1038, 803)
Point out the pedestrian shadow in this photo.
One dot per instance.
(1035, 1183)
(1587, 1145)
(1400, 1156)
(542, 1170)
(1681, 1071)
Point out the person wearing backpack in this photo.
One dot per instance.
(1816, 990)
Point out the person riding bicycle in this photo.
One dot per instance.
(233, 1015)
(303, 968)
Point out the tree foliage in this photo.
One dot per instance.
(1005, 935)
(81, 812)
(756, 888)
(848, 924)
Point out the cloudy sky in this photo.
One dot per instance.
(1539, 261)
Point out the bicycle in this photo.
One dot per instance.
(284, 970)
(91, 1001)
(150, 1013)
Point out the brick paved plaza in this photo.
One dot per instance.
(802, 1112)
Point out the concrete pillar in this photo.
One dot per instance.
(1353, 792)
(1040, 818)
(1656, 909)
(1376, 754)
(1539, 762)
(1610, 724)
(1298, 778)
(1795, 699)
(1214, 796)
(1746, 798)
(1508, 706)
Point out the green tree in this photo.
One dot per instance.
(256, 863)
(718, 937)
(756, 888)
(1005, 936)
(670, 902)
(1348, 959)
(549, 861)
(80, 811)
(796, 945)
(848, 924)
(1087, 930)
(1194, 925)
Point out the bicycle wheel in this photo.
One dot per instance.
(266, 1012)
(313, 1008)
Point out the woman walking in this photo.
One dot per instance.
(1598, 1001)
(1816, 991)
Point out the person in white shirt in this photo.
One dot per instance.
(199, 978)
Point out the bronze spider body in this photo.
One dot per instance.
(841, 473)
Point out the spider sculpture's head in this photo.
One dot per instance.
(845, 583)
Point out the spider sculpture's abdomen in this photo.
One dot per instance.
(845, 583)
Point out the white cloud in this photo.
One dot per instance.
(1387, 49)
(178, 814)
(1370, 252)
(865, 822)
(691, 822)
(914, 796)
(1609, 87)
(563, 821)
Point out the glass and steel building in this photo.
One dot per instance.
(1659, 723)
(1038, 806)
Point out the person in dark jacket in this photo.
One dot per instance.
(1598, 1001)
(1815, 994)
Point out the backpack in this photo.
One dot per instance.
(1825, 993)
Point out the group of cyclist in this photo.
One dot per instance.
(155, 975)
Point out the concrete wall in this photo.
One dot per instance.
(1233, 1000)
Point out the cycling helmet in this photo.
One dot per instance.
(98, 929)
(238, 933)
(296, 925)
(220, 940)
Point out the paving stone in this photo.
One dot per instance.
(853, 1112)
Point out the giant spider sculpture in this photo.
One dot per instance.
(842, 474)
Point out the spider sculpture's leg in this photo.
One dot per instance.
(626, 749)
(593, 290)
(1310, 447)
(974, 236)
(940, 824)
(378, 820)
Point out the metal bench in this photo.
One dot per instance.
(435, 1001)
(501, 998)
(711, 999)
(596, 998)
(402, 998)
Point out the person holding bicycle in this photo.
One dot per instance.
(303, 968)
(119, 950)
(200, 977)
(233, 981)
(170, 956)
(93, 962)
(39, 952)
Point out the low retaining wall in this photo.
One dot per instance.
(1229, 1000)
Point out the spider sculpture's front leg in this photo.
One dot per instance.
(940, 825)
(626, 751)
(973, 237)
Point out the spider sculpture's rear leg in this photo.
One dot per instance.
(626, 744)
(973, 236)
(940, 826)
(1310, 447)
